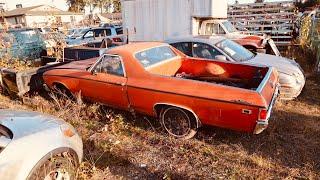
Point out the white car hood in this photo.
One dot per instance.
(23, 123)
(283, 65)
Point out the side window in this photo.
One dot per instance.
(221, 30)
(212, 28)
(185, 47)
(206, 51)
(99, 33)
(108, 32)
(89, 34)
(110, 65)
(119, 30)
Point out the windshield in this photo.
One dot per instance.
(234, 50)
(230, 28)
(80, 32)
(155, 55)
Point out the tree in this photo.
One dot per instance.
(76, 5)
(117, 5)
(103, 5)
(303, 5)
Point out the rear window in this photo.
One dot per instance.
(155, 55)
(108, 32)
(119, 30)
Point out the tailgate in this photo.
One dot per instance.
(269, 86)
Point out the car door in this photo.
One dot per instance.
(106, 82)
(88, 36)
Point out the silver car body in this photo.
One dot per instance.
(90, 36)
(35, 138)
(292, 79)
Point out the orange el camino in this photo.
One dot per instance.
(184, 93)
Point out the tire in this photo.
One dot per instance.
(62, 91)
(62, 166)
(178, 122)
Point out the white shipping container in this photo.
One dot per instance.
(157, 20)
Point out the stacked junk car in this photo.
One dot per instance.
(194, 71)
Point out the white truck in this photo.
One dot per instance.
(158, 20)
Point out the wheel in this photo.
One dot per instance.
(61, 167)
(62, 91)
(178, 122)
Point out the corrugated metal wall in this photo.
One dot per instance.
(157, 20)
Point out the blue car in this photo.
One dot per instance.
(23, 44)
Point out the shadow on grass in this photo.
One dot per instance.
(292, 140)
(119, 165)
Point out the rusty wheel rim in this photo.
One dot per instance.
(176, 122)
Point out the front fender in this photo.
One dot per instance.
(19, 158)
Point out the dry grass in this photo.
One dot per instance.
(120, 146)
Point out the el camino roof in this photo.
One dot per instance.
(136, 47)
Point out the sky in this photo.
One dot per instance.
(61, 4)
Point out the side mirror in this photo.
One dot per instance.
(221, 57)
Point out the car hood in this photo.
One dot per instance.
(283, 65)
(24, 123)
(243, 35)
(80, 65)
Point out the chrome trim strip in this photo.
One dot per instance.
(262, 125)
(112, 55)
(265, 80)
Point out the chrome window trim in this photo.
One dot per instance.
(265, 80)
(112, 55)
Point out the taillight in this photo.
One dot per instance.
(116, 39)
(263, 114)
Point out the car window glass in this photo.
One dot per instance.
(212, 28)
(221, 30)
(235, 50)
(155, 55)
(108, 32)
(185, 47)
(110, 65)
(202, 50)
(230, 28)
(89, 34)
(119, 30)
(99, 33)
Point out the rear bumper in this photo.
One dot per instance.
(262, 125)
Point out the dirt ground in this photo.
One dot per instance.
(118, 145)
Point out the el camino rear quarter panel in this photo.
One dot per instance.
(214, 104)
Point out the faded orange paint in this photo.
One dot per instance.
(143, 88)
